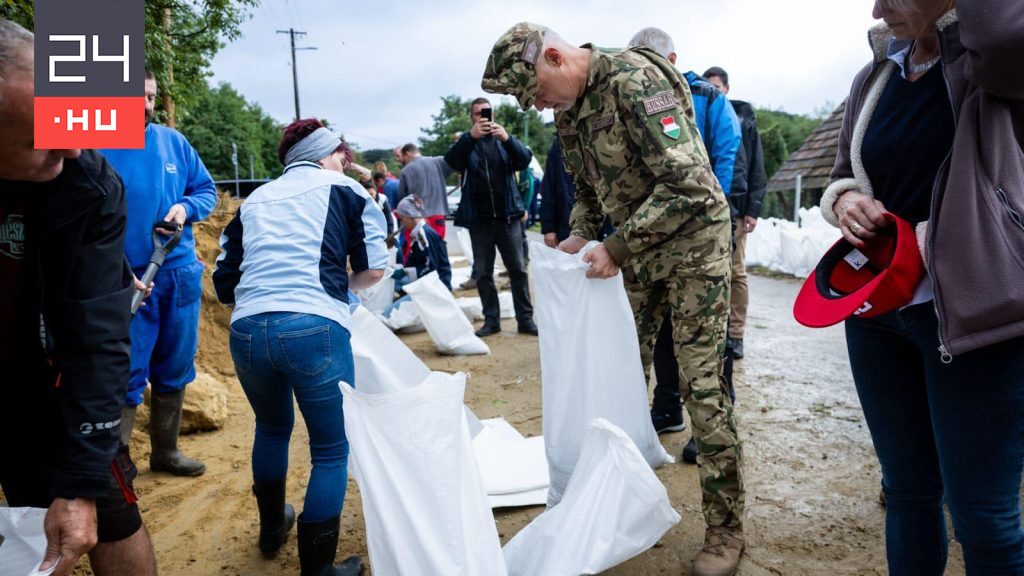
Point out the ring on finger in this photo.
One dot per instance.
(856, 228)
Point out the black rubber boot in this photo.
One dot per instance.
(276, 516)
(164, 425)
(127, 423)
(690, 451)
(318, 542)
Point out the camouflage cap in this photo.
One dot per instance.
(510, 65)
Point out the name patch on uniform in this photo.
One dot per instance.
(531, 49)
(660, 102)
(567, 132)
(602, 123)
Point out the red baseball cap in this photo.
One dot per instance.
(866, 282)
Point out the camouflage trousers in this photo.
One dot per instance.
(698, 297)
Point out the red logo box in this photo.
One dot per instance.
(90, 122)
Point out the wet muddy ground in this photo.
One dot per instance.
(811, 475)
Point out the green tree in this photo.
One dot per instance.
(781, 134)
(220, 117)
(198, 29)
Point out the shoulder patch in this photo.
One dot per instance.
(570, 131)
(660, 102)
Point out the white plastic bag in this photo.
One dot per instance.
(511, 466)
(379, 296)
(448, 327)
(404, 318)
(613, 509)
(382, 361)
(24, 542)
(473, 308)
(424, 502)
(465, 242)
(589, 360)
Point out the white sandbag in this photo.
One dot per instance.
(473, 308)
(613, 509)
(379, 296)
(448, 327)
(465, 243)
(424, 503)
(382, 361)
(537, 497)
(460, 275)
(24, 542)
(404, 318)
(590, 362)
(509, 463)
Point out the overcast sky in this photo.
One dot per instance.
(381, 67)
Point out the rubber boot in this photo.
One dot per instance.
(127, 424)
(276, 516)
(164, 425)
(318, 542)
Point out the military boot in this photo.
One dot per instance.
(164, 425)
(127, 423)
(721, 552)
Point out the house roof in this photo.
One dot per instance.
(814, 158)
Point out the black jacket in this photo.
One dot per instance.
(83, 289)
(558, 194)
(464, 156)
(749, 179)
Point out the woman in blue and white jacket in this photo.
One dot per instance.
(283, 268)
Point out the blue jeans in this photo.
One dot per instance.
(164, 332)
(278, 354)
(943, 433)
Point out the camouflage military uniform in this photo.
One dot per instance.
(633, 148)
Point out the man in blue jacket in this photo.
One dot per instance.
(720, 130)
(493, 211)
(164, 181)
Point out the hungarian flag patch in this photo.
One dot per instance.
(669, 127)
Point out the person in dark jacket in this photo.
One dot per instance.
(557, 198)
(749, 183)
(932, 134)
(493, 211)
(65, 300)
(419, 245)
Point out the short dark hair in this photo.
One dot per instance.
(149, 74)
(716, 71)
(378, 175)
(410, 148)
(480, 100)
(298, 130)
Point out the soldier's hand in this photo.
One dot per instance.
(602, 265)
(749, 223)
(551, 240)
(572, 244)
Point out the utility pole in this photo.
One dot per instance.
(168, 99)
(292, 32)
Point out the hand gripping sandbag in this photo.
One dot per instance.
(589, 361)
(448, 327)
(614, 508)
(424, 503)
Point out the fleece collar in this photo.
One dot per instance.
(880, 35)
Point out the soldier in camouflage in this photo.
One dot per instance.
(626, 124)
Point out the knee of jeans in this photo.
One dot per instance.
(919, 498)
(327, 453)
(275, 430)
(986, 527)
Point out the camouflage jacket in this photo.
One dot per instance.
(633, 148)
